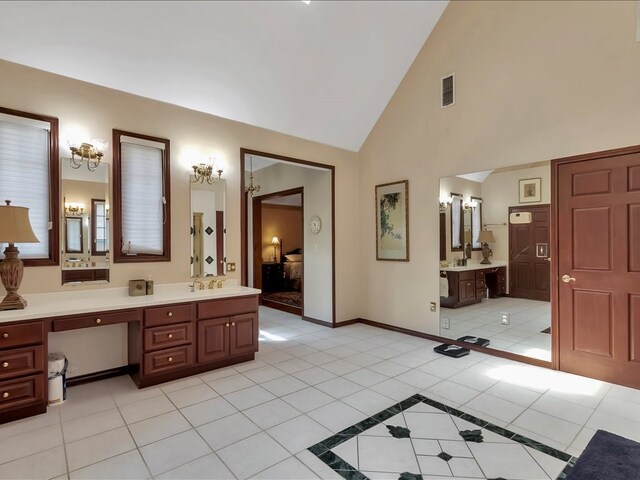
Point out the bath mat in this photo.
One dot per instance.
(608, 457)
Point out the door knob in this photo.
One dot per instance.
(567, 279)
(548, 259)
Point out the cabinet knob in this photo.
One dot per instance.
(227, 325)
(5, 335)
(170, 335)
(5, 364)
(170, 314)
(170, 359)
(233, 324)
(5, 395)
(98, 320)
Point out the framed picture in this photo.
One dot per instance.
(530, 190)
(392, 221)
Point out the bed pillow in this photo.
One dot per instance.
(293, 258)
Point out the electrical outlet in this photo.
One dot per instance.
(231, 267)
(445, 323)
(505, 318)
(432, 306)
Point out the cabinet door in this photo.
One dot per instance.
(466, 290)
(213, 339)
(244, 334)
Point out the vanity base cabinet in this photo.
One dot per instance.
(23, 383)
(470, 286)
(213, 339)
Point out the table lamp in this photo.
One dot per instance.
(275, 241)
(14, 228)
(485, 237)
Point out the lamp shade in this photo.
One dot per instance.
(275, 241)
(486, 236)
(15, 226)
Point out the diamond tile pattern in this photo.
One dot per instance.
(209, 230)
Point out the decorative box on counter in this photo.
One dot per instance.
(137, 288)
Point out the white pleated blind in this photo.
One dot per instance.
(142, 199)
(24, 177)
(74, 235)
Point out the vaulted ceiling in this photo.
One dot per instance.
(323, 71)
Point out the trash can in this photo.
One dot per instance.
(57, 378)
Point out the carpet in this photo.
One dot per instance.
(608, 457)
(288, 298)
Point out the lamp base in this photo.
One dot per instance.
(486, 251)
(11, 269)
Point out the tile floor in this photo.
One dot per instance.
(256, 420)
(522, 336)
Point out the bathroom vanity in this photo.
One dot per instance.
(171, 334)
(469, 284)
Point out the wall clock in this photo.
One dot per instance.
(315, 225)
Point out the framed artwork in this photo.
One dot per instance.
(392, 221)
(530, 190)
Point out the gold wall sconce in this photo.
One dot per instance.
(75, 209)
(470, 205)
(92, 153)
(203, 172)
(445, 203)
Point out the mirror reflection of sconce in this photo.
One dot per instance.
(445, 203)
(203, 172)
(91, 152)
(76, 209)
(470, 205)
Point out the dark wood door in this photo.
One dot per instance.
(220, 242)
(244, 334)
(599, 267)
(213, 339)
(529, 254)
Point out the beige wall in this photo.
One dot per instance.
(534, 81)
(98, 110)
(284, 222)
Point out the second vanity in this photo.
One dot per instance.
(172, 334)
(468, 284)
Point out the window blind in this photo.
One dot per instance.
(24, 161)
(475, 223)
(142, 199)
(74, 234)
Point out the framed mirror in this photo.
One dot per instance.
(85, 214)
(485, 300)
(208, 233)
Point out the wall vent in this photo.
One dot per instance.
(448, 97)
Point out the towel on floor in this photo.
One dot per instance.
(444, 287)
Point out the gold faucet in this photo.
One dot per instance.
(212, 284)
(220, 283)
(199, 283)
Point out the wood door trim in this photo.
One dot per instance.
(554, 273)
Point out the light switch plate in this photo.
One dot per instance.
(432, 306)
(231, 267)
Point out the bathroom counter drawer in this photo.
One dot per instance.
(21, 391)
(95, 320)
(22, 334)
(168, 336)
(21, 361)
(227, 307)
(168, 360)
(168, 315)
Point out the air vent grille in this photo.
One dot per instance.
(448, 91)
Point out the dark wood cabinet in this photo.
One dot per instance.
(467, 287)
(243, 334)
(82, 275)
(213, 339)
(272, 277)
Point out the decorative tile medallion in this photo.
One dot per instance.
(209, 230)
(209, 260)
(438, 440)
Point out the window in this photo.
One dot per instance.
(141, 200)
(29, 177)
(99, 227)
(73, 235)
(476, 223)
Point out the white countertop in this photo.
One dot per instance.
(42, 305)
(475, 266)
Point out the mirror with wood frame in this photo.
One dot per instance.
(208, 234)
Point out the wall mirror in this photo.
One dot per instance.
(85, 221)
(505, 301)
(208, 234)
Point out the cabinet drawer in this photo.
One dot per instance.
(167, 360)
(169, 336)
(470, 275)
(21, 361)
(154, 317)
(480, 275)
(23, 334)
(227, 307)
(21, 392)
(95, 320)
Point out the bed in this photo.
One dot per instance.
(293, 272)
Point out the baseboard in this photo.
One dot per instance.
(316, 321)
(477, 348)
(347, 322)
(102, 375)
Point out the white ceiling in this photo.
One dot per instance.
(323, 71)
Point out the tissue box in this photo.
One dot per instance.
(137, 288)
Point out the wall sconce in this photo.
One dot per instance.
(203, 172)
(76, 209)
(86, 151)
(275, 241)
(470, 205)
(445, 202)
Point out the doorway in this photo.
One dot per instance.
(597, 277)
(278, 239)
(529, 252)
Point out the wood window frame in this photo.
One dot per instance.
(53, 258)
(93, 227)
(460, 214)
(479, 200)
(116, 204)
(66, 236)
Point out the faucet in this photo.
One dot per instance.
(212, 284)
(220, 282)
(193, 285)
